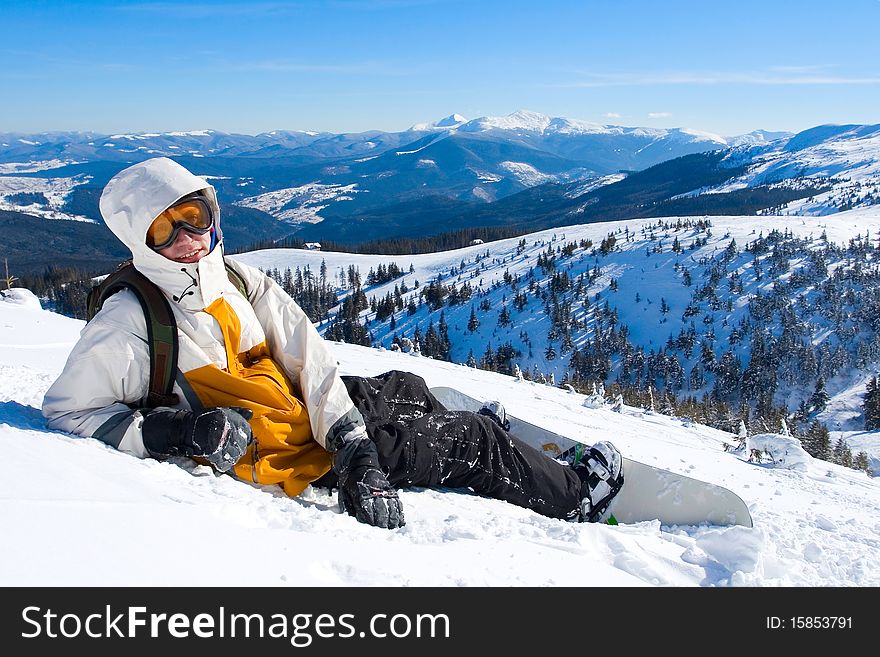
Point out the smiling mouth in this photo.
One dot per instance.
(191, 254)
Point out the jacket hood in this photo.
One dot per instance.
(137, 195)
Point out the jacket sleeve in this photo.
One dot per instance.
(306, 358)
(105, 379)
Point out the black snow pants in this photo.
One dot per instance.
(420, 443)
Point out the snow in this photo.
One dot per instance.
(757, 137)
(816, 525)
(486, 176)
(785, 451)
(310, 199)
(575, 126)
(525, 174)
(451, 121)
(34, 166)
(483, 194)
(519, 120)
(594, 183)
(55, 190)
(653, 279)
(192, 133)
(845, 157)
(704, 136)
(21, 297)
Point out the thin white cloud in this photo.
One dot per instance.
(612, 115)
(810, 68)
(346, 68)
(791, 75)
(208, 10)
(369, 5)
(659, 115)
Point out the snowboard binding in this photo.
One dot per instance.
(600, 469)
(495, 411)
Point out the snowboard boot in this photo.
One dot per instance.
(601, 473)
(495, 410)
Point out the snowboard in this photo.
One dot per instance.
(648, 493)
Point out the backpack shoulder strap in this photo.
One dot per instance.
(161, 328)
(236, 279)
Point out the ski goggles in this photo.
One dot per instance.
(192, 215)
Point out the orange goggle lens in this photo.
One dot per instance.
(193, 215)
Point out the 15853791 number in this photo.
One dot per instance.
(820, 622)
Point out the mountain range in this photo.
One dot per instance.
(524, 171)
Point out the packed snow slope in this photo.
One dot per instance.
(78, 513)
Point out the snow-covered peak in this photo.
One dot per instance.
(655, 133)
(757, 138)
(703, 136)
(451, 121)
(152, 135)
(844, 160)
(543, 125)
(192, 133)
(287, 133)
(565, 126)
(831, 133)
(519, 120)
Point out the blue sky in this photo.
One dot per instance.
(349, 65)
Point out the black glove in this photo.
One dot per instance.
(219, 435)
(364, 491)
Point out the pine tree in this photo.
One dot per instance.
(842, 453)
(443, 337)
(819, 398)
(742, 437)
(431, 347)
(871, 405)
(503, 317)
(473, 323)
(861, 462)
(817, 442)
(487, 362)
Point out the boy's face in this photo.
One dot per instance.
(182, 233)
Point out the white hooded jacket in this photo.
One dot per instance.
(101, 389)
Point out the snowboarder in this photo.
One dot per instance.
(258, 390)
